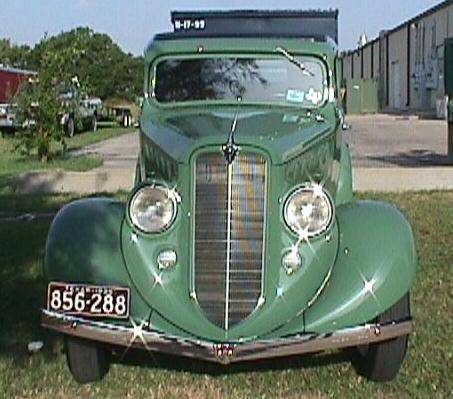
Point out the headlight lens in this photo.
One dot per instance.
(152, 209)
(309, 211)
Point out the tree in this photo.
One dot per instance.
(40, 106)
(90, 58)
(13, 55)
(104, 69)
(38, 111)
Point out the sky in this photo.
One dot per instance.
(132, 23)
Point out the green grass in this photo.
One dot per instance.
(13, 164)
(426, 372)
(103, 133)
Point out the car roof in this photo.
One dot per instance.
(169, 44)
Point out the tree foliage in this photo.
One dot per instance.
(102, 66)
(40, 106)
(13, 55)
(38, 110)
(104, 69)
(62, 61)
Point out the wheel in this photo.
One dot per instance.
(94, 124)
(382, 361)
(87, 361)
(126, 121)
(70, 127)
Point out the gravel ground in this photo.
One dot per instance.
(384, 141)
(389, 153)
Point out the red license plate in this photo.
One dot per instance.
(88, 300)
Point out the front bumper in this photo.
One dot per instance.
(141, 337)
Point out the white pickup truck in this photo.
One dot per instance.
(8, 121)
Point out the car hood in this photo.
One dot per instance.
(283, 134)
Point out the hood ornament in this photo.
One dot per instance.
(230, 149)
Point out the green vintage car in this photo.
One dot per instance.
(241, 240)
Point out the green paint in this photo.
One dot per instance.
(93, 241)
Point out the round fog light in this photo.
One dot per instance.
(166, 259)
(292, 262)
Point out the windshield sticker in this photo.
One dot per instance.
(295, 96)
(314, 96)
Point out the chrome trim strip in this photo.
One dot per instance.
(263, 253)
(228, 254)
(126, 336)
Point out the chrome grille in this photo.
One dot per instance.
(229, 235)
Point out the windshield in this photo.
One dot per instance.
(297, 80)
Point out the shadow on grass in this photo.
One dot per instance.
(22, 281)
(413, 158)
(154, 360)
(6, 183)
(22, 288)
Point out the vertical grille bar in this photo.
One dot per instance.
(229, 236)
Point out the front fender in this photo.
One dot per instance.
(375, 267)
(83, 246)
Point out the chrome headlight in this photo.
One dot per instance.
(309, 211)
(153, 209)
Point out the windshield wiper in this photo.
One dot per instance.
(293, 60)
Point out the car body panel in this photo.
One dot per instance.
(376, 266)
(94, 241)
(283, 133)
(83, 246)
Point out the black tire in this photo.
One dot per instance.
(87, 360)
(70, 127)
(127, 120)
(382, 361)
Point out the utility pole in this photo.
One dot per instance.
(448, 80)
(450, 128)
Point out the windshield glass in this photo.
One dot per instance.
(299, 80)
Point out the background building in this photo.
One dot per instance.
(402, 70)
(10, 81)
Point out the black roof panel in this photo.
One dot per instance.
(309, 24)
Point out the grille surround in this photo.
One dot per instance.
(229, 235)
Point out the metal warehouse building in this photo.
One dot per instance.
(403, 70)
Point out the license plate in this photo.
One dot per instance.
(88, 300)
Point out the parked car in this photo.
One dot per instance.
(8, 121)
(123, 112)
(123, 116)
(241, 240)
(82, 114)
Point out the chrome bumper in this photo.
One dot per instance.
(225, 353)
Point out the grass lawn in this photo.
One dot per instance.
(13, 164)
(427, 372)
(104, 132)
